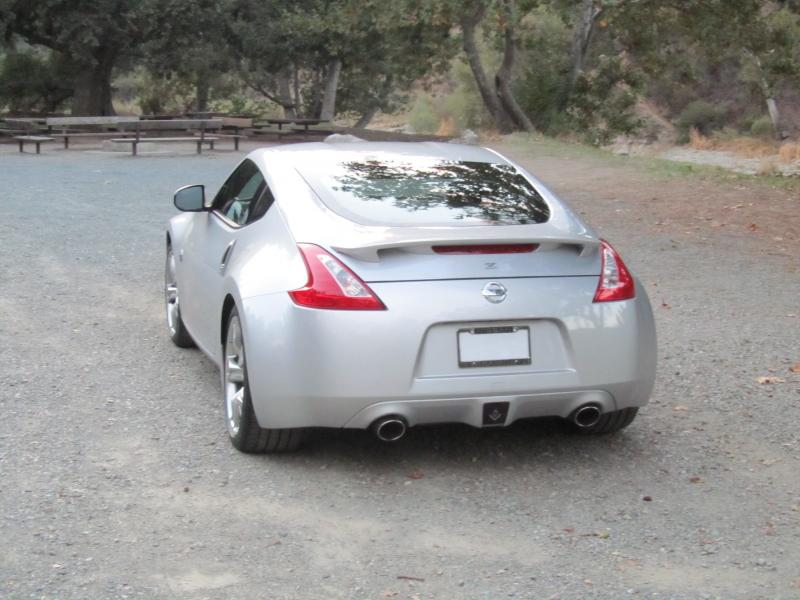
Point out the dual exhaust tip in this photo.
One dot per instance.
(587, 416)
(393, 428)
(390, 429)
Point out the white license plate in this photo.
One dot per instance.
(494, 346)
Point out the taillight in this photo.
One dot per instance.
(486, 249)
(332, 285)
(616, 282)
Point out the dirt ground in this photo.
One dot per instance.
(117, 481)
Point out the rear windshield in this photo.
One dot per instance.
(424, 191)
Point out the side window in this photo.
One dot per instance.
(261, 206)
(238, 196)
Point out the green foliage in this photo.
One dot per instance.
(32, 81)
(544, 63)
(604, 100)
(601, 104)
(702, 116)
(762, 127)
(286, 49)
(423, 117)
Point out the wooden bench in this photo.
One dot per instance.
(188, 125)
(73, 122)
(298, 121)
(134, 142)
(72, 127)
(95, 134)
(35, 139)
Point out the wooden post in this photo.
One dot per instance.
(38, 147)
(21, 145)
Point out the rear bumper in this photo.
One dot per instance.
(316, 368)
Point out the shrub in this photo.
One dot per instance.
(423, 117)
(762, 127)
(702, 116)
(34, 80)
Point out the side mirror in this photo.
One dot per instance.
(191, 198)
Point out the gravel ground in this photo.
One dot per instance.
(117, 481)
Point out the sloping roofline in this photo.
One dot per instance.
(301, 153)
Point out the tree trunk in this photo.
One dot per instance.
(93, 91)
(366, 118)
(202, 90)
(285, 94)
(328, 109)
(769, 96)
(503, 75)
(775, 117)
(499, 114)
(581, 36)
(298, 101)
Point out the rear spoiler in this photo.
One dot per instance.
(419, 240)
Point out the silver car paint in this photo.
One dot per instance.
(345, 368)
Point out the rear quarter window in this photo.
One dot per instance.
(424, 191)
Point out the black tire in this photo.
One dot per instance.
(251, 437)
(177, 330)
(609, 422)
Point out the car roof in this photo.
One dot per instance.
(300, 154)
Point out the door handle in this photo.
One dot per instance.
(226, 256)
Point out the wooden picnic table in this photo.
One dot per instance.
(304, 122)
(35, 139)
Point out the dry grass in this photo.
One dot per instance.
(448, 127)
(789, 152)
(698, 141)
(749, 147)
(768, 166)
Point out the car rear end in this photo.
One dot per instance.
(481, 307)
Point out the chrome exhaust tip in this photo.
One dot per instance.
(389, 429)
(587, 416)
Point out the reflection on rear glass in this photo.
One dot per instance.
(422, 191)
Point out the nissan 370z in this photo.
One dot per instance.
(386, 285)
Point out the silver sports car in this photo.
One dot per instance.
(387, 285)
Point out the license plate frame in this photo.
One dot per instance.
(513, 336)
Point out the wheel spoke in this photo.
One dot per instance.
(235, 372)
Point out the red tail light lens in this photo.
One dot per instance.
(331, 285)
(616, 282)
(486, 249)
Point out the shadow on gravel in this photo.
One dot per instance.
(459, 447)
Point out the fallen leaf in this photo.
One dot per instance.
(695, 479)
(795, 368)
(752, 227)
(410, 578)
(770, 379)
(680, 408)
(569, 530)
(598, 534)
(665, 305)
(647, 498)
(416, 474)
